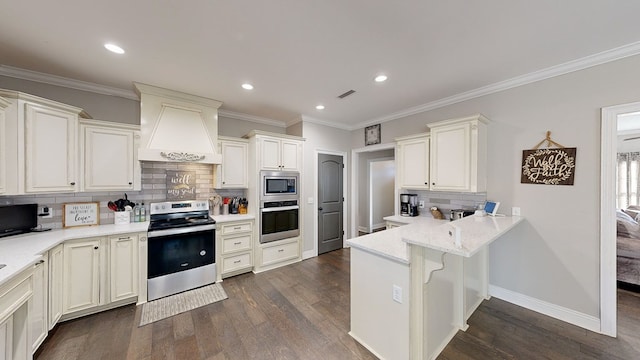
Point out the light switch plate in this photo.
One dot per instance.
(397, 294)
(515, 211)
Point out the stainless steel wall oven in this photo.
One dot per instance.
(279, 220)
(181, 248)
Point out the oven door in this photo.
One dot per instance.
(279, 223)
(174, 250)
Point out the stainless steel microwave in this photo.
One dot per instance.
(279, 184)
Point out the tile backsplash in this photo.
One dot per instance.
(447, 201)
(154, 189)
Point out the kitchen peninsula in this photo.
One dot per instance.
(412, 288)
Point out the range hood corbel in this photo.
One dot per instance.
(177, 127)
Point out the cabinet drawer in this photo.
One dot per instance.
(233, 263)
(275, 254)
(232, 244)
(15, 293)
(227, 229)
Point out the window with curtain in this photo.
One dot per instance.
(628, 176)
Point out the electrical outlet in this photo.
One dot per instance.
(397, 294)
(515, 211)
(45, 212)
(421, 204)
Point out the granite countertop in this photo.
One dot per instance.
(21, 251)
(476, 232)
(388, 243)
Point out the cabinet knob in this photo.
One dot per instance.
(224, 182)
(319, 209)
(95, 248)
(72, 183)
(130, 182)
(433, 183)
(426, 183)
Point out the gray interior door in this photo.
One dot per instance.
(330, 199)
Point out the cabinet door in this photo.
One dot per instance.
(38, 320)
(50, 148)
(6, 339)
(123, 267)
(451, 158)
(108, 159)
(81, 275)
(290, 155)
(270, 154)
(413, 158)
(234, 165)
(56, 270)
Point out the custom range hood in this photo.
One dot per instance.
(177, 127)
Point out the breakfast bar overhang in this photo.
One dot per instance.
(443, 265)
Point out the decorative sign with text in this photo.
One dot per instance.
(181, 185)
(548, 166)
(80, 214)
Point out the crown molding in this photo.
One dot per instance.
(251, 118)
(553, 71)
(305, 118)
(36, 76)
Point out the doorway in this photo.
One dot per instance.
(382, 176)
(330, 203)
(608, 280)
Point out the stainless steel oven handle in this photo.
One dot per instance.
(281, 208)
(182, 230)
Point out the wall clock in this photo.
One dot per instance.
(372, 135)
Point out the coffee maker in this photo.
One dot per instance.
(408, 204)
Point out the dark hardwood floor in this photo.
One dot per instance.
(302, 312)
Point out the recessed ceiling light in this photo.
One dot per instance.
(320, 107)
(247, 86)
(380, 78)
(114, 48)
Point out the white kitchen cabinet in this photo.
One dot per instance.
(233, 172)
(15, 295)
(108, 156)
(123, 267)
(82, 274)
(42, 139)
(235, 243)
(279, 153)
(38, 318)
(412, 162)
(3, 145)
(458, 158)
(277, 253)
(50, 149)
(56, 273)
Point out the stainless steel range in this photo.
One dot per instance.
(181, 248)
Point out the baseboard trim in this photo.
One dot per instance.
(363, 229)
(308, 254)
(582, 320)
(356, 338)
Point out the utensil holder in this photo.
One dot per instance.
(122, 217)
(225, 209)
(216, 210)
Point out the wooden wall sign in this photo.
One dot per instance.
(548, 166)
(181, 185)
(80, 214)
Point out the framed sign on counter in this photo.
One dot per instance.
(80, 214)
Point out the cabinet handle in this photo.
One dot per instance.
(39, 263)
(237, 228)
(280, 250)
(237, 243)
(123, 238)
(95, 248)
(72, 183)
(237, 261)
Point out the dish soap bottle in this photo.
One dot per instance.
(143, 213)
(136, 213)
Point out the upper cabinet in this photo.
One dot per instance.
(412, 153)
(3, 145)
(233, 173)
(108, 156)
(458, 154)
(43, 136)
(280, 153)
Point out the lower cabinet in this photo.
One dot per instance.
(56, 273)
(394, 224)
(277, 253)
(235, 241)
(15, 296)
(123, 267)
(81, 279)
(38, 319)
(99, 273)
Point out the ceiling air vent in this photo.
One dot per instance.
(346, 94)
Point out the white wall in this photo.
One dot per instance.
(554, 256)
(318, 138)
